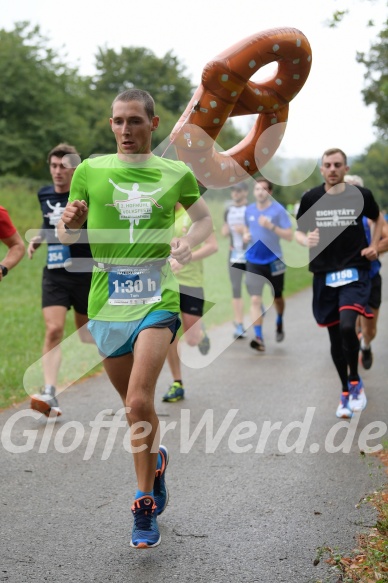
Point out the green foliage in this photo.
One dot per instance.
(337, 17)
(376, 92)
(376, 76)
(39, 103)
(291, 178)
(229, 136)
(139, 67)
(372, 167)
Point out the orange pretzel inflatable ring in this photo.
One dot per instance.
(226, 91)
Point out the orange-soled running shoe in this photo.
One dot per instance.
(46, 402)
(145, 532)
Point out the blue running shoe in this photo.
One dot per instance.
(160, 486)
(175, 393)
(239, 331)
(357, 398)
(145, 533)
(343, 409)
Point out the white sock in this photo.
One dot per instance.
(364, 345)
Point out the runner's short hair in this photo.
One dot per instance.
(268, 182)
(138, 95)
(332, 151)
(61, 150)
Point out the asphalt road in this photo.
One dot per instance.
(256, 486)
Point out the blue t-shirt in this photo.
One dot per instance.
(264, 246)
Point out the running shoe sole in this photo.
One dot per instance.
(173, 397)
(259, 346)
(145, 545)
(239, 336)
(42, 406)
(345, 415)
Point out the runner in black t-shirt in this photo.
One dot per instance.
(61, 288)
(330, 223)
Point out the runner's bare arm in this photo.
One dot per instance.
(201, 229)
(74, 216)
(15, 252)
(307, 240)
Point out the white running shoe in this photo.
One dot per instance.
(343, 409)
(357, 398)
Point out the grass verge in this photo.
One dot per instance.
(368, 562)
(22, 330)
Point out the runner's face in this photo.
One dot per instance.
(61, 176)
(238, 195)
(333, 169)
(261, 192)
(132, 128)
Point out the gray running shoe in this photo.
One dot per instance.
(46, 402)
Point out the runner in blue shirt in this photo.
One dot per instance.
(267, 221)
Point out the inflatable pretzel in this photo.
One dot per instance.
(226, 91)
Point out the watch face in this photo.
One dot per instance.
(4, 270)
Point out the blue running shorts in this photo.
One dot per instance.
(118, 338)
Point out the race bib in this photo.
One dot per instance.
(129, 286)
(237, 256)
(277, 267)
(58, 256)
(343, 277)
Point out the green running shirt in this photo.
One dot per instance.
(130, 222)
(191, 274)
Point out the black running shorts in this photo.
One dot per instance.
(329, 301)
(375, 292)
(61, 288)
(258, 275)
(191, 300)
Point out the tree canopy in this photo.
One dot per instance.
(45, 101)
(39, 103)
(376, 92)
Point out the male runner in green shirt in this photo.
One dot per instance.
(129, 199)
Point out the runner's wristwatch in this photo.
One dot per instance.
(4, 270)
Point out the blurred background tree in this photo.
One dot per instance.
(44, 102)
